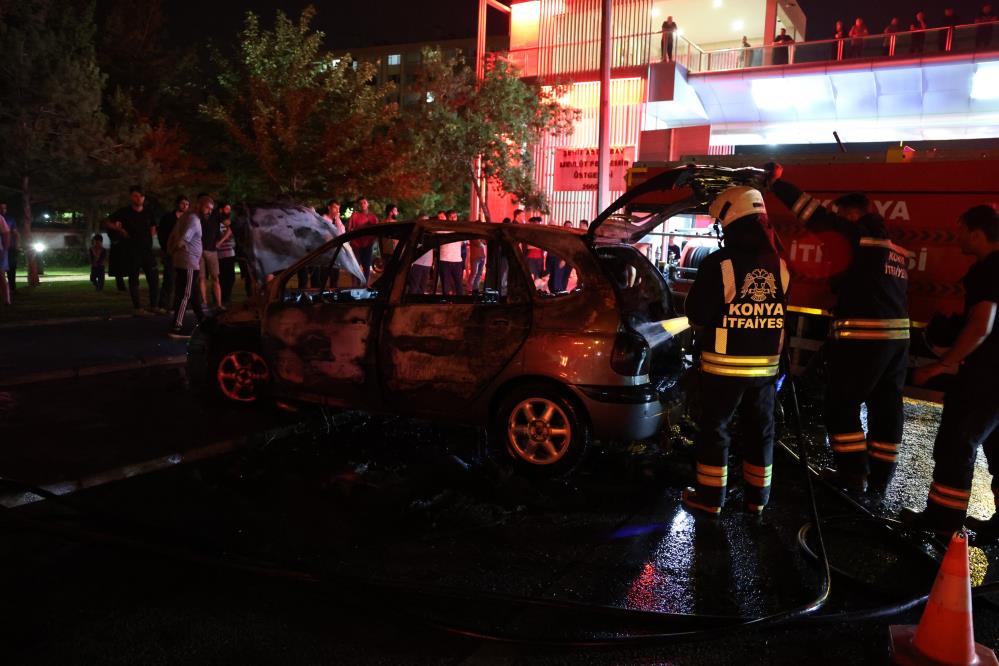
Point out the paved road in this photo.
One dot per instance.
(67, 349)
(393, 499)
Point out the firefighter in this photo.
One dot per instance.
(867, 356)
(736, 306)
(971, 406)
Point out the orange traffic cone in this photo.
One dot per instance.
(945, 635)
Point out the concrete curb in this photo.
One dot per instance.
(35, 323)
(61, 488)
(91, 370)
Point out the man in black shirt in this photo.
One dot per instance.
(163, 229)
(669, 29)
(134, 226)
(971, 407)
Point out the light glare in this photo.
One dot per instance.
(985, 82)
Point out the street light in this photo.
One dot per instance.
(38, 247)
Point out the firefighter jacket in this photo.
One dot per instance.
(737, 305)
(871, 301)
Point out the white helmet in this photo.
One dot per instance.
(737, 202)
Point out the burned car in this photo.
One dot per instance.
(546, 365)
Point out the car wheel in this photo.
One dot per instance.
(241, 375)
(540, 431)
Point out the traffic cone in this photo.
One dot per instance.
(945, 635)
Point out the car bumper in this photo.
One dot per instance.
(623, 412)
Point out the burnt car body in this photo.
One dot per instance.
(544, 366)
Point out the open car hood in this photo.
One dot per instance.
(273, 237)
(686, 189)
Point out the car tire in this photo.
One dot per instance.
(238, 373)
(540, 431)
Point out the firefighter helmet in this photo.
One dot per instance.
(737, 202)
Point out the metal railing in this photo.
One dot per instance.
(919, 43)
(642, 49)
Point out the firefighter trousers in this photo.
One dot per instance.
(870, 372)
(970, 418)
(753, 400)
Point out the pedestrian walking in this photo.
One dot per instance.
(888, 43)
(746, 55)
(163, 231)
(452, 263)
(868, 354)
(185, 251)
(736, 306)
(780, 48)
(945, 38)
(209, 267)
(983, 33)
(12, 249)
(5, 237)
(669, 30)
(362, 246)
(226, 246)
(135, 227)
(971, 406)
(98, 261)
(918, 28)
(858, 31)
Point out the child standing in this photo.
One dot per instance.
(98, 259)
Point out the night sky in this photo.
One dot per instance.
(350, 23)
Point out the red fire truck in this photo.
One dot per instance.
(920, 195)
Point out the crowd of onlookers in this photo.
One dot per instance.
(851, 41)
(198, 255)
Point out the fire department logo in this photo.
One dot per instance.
(759, 285)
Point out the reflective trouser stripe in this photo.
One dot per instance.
(851, 442)
(757, 475)
(871, 323)
(703, 507)
(949, 497)
(733, 371)
(726, 359)
(884, 451)
(871, 329)
(889, 334)
(710, 475)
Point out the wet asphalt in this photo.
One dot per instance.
(410, 537)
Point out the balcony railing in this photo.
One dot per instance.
(919, 43)
(644, 48)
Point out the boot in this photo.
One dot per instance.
(941, 528)
(986, 531)
(854, 484)
(696, 506)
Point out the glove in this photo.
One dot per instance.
(774, 172)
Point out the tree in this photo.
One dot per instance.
(499, 119)
(53, 130)
(303, 124)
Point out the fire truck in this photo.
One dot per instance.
(919, 194)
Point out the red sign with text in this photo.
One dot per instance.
(576, 168)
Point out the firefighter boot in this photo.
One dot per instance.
(939, 523)
(697, 505)
(851, 483)
(986, 531)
